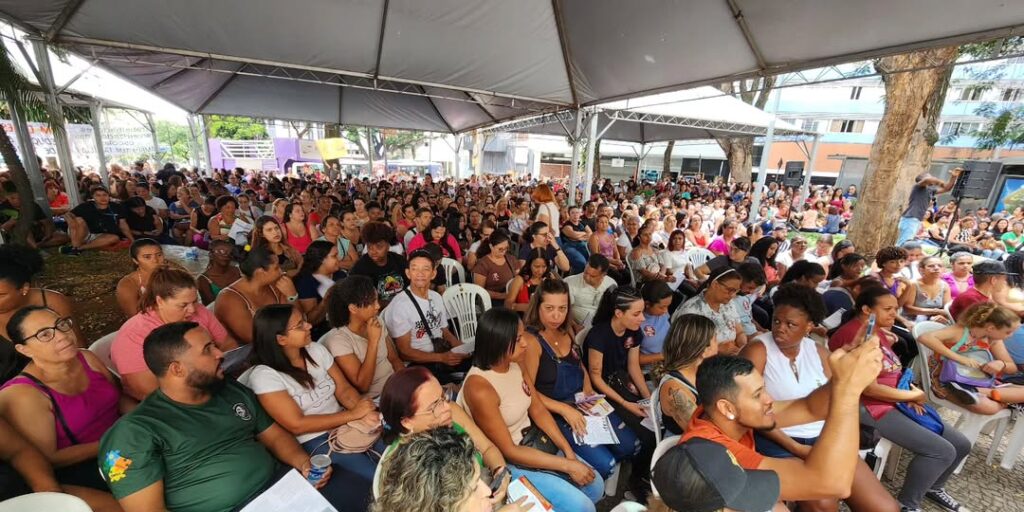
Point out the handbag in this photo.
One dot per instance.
(440, 344)
(56, 408)
(354, 437)
(620, 382)
(953, 371)
(534, 437)
(930, 419)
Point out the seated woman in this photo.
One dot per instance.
(935, 455)
(602, 241)
(64, 400)
(440, 459)
(315, 279)
(298, 232)
(147, 255)
(437, 234)
(298, 384)
(220, 272)
(200, 222)
(554, 366)
(764, 251)
(412, 402)
(486, 230)
(646, 261)
(523, 286)
(714, 300)
(171, 296)
(981, 327)
(494, 267)
(219, 225)
(720, 244)
(929, 294)
(805, 273)
(690, 340)
(793, 366)
(359, 341)
(331, 228)
(695, 235)
(180, 213)
(960, 278)
(501, 401)
(237, 304)
(18, 265)
(612, 357)
(143, 221)
(267, 233)
(657, 298)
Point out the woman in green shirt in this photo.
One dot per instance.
(1013, 238)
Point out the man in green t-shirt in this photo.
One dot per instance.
(197, 443)
(1013, 238)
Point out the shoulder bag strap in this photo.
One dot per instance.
(56, 408)
(416, 304)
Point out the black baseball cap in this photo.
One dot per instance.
(702, 476)
(991, 268)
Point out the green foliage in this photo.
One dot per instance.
(176, 136)
(235, 128)
(1005, 129)
(396, 141)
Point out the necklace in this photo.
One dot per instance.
(792, 366)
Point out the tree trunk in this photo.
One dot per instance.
(740, 153)
(597, 160)
(666, 163)
(903, 145)
(16, 171)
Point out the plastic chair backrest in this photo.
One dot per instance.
(460, 301)
(101, 348)
(582, 336)
(698, 256)
(629, 269)
(451, 267)
(924, 355)
(663, 446)
(45, 501)
(654, 412)
(945, 307)
(629, 506)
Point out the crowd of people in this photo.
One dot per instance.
(319, 327)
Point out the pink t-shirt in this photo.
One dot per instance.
(719, 246)
(126, 351)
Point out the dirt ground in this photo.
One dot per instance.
(89, 280)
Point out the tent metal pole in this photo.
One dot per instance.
(575, 141)
(640, 160)
(805, 189)
(156, 144)
(193, 141)
(762, 174)
(370, 150)
(97, 135)
(28, 158)
(205, 132)
(60, 135)
(588, 182)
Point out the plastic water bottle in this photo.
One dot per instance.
(318, 465)
(192, 254)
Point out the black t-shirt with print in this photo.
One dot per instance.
(614, 347)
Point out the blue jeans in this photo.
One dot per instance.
(362, 465)
(770, 448)
(909, 227)
(563, 494)
(577, 253)
(604, 457)
(994, 254)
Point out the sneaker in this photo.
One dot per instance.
(908, 509)
(943, 498)
(964, 394)
(70, 251)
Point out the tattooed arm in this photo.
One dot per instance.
(677, 402)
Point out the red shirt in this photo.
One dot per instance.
(965, 300)
(891, 367)
(743, 450)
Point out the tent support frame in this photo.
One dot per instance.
(60, 135)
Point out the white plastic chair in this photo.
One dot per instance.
(698, 256)
(45, 501)
(970, 424)
(101, 348)
(450, 268)
(629, 270)
(663, 446)
(654, 412)
(460, 301)
(945, 307)
(629, 506)
(1013, 445)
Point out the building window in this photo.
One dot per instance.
(846, 126)
(956, 129)
(810, 125)
(1013, 94)
(971, 94)
(855, 92)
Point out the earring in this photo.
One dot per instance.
(731, 417)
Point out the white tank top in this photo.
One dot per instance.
(782, 384)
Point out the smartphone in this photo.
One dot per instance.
(497, 479)
(871, 327)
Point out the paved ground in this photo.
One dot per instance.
(980, 487)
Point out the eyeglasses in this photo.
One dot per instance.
(46, 334)
(435, 407)
(303, 325)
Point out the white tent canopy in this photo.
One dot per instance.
(701, 113)
(453, 65)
